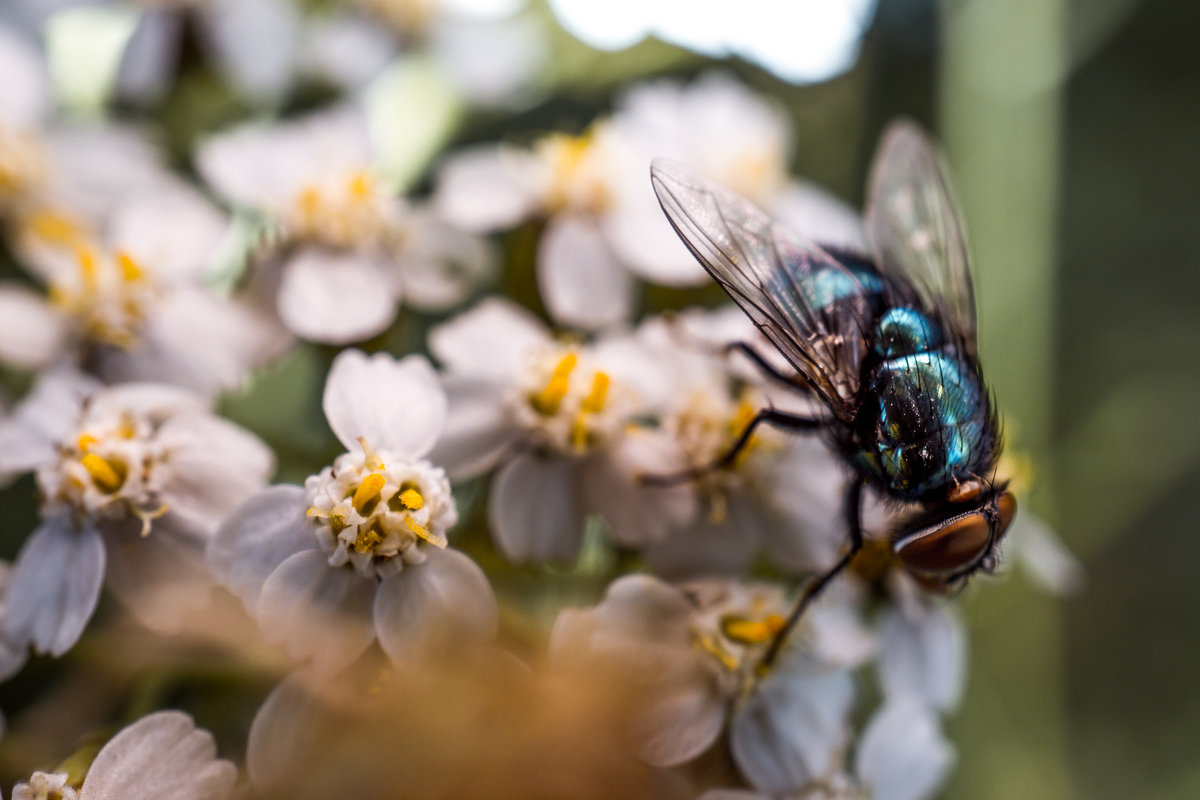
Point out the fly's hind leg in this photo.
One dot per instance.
(818, 584)
(795, 381)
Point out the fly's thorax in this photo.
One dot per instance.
(376, 511)
(113, 468)
(925, 420)
(348, 210)
(568, 403)
(108, 295)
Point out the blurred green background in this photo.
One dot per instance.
(1073, 133)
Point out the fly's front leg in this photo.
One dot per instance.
(777, 419)
(815, 586)
(795, 381)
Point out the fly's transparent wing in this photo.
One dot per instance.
(914, 229)
(814, 309)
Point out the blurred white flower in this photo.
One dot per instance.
(696, 650)
(132, 303)
(604, 225)
(360, 552)
(556, 417)
(133, 479)
(352, 248)
(162, 755)
(901, 755)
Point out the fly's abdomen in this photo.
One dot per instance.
(926, 415)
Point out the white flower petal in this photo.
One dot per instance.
(162, 577)
(147, 65)
(25, 96)
(257, 537)
(347, 51)
(642, 238)
(478, 430)
(708, 547)
(255, 44)
(212, 466)
(441, 265)
(638, 514)
(492, 340)
(792, 728)
(317, 611)
(31, 332)
(285, 729)
(534, 510)
(902, 755)
(54, 586)
(489, 188)
(683, 720)
(580, 279)
(447, 599)
(173, 230)
(163, 755)
(45, 417)
(393, 405)
(923, 653)
(820, 217)
(1044, 556)
(336, 298)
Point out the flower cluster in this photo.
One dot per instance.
(516, 502)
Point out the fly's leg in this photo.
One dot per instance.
(818, 584)
(766, 367)
(777, 419)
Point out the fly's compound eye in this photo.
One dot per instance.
(957, 545)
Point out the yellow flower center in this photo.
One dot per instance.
(109, 297)
(553, 399)
(578, 175)
(346, 213)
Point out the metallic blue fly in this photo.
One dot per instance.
(886, 342)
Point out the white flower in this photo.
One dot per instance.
(360, 552)
(695, 650)
(901, 755)
(133, 480)
(133, 303)
(604, 224)
(555, 416)
(923, 652)
(163, 755)
(353, 248)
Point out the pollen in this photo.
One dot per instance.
(367, 540)
(745, 631)
(107, 475)
(367, 492)
(360, 186)
(85, 442)
(710, 643)
(54, 228)
(412, 499)
(594, 402)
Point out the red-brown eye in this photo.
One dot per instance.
(950, 547)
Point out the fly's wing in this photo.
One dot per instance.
(813, 308)
(914, 231)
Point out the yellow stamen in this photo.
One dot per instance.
(360, 186)
(416, 528)
(745, 631)
(309, 201)
(53, 228)
(367, 540)
(368, 491)
(548, 400)
(412, 499)
(594, 402)
(130, 270)
(85, 442)
(87, 265)
(108, 475)
(711, 644)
